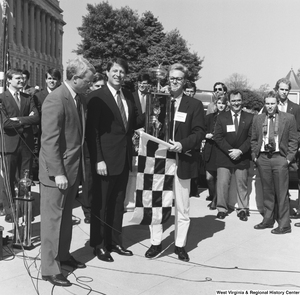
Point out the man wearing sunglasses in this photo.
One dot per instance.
(220, 90)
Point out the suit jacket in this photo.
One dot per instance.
(137, 101)
(14, 130)
(106, 135)
(210, 121)
(41, 95)
(190, 134)
(294, 109)
(231, 140)
(287, 135)
(62, 137)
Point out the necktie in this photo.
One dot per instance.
(121, 108)
(78, 106)
(17, 99)
(271, 130)
(143, 102)
(172, 117)
(236, 123)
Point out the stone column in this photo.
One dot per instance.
(38, 29)
(43, 36)
(10, 18)
(25, 18)
(57, 40)
(18, 22)
(48, 34)
(53, 43)
(32, 27)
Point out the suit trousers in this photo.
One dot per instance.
(182, 220)
(56, 225)
(223, 184)
(108, 208)
(274, 175)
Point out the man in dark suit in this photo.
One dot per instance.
(61, 167)
(52, 79)
(274, 144)
(19, 114)
(188, 131)
(232, 136)
(112, 117)
(144, 82)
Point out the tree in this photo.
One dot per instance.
(108, 32)
(252, 100)
(237, 81)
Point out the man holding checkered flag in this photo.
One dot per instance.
(186, 133)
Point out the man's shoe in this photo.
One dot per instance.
(103, 255)
(153, 251)
(87, 219)
(212, 206)
(281, 230)
(242, 216)
(296, 215)
(57, 280)
(221, 215)
(119, 249)
(72, 262)
(8, 218)
(263, 226)
(182, 255)
(209, 198)
(297, 224)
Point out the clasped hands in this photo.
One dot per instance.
(235, 154)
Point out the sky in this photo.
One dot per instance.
(255, 38)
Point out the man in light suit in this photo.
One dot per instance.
(188, 131)
(112, 117)
(232, 137)
(274, 144)
(19, 114)
(61, 167)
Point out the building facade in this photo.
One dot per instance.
(35, 36)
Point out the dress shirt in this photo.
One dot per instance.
(282, 106)
(73, 93)
(114, 94)
(176, 107)
(238, 116)
(266, 139)
(142, 98)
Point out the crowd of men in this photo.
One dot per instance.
(85, 126)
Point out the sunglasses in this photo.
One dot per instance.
(220, 89)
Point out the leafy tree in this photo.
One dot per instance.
(252, 100)
(237, 81)
(108, 32)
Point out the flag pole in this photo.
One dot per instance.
(4, 45)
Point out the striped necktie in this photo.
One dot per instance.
(17, 99)
(122, 109)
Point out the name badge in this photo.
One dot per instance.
(230, 128)
(180, 117)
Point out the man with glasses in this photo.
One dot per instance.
(187, 131)
(61, 167)
(220, 90)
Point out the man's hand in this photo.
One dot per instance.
(177, 147)
(31, 113)
(101, 168)
(209, 136)
(61, 181)
(235, 154)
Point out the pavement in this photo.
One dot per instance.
(226, 257)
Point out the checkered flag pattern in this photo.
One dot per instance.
(154, 184)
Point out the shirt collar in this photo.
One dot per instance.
(113, 90)
(73, 93)
(232, 113)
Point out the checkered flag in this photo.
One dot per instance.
(154, 184)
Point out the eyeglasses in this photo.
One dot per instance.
(220, 89)
(177, 79)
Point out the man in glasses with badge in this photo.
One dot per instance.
(186, 132)
(274, 144)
